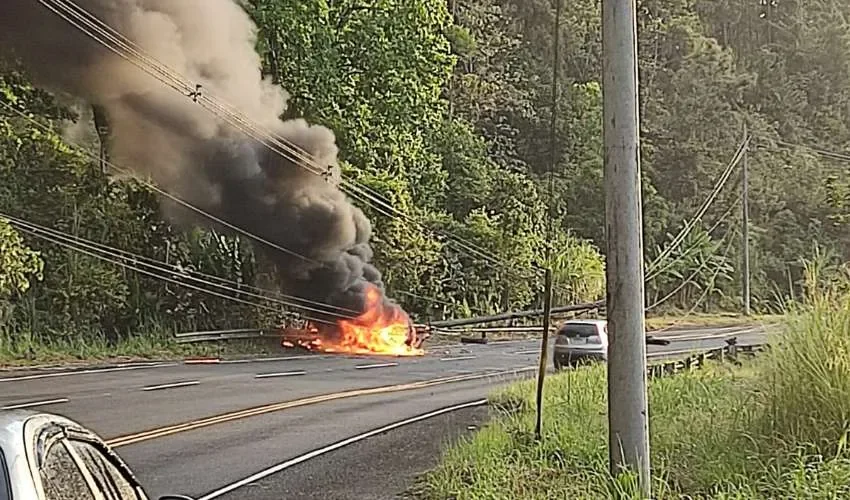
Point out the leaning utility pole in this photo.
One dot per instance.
(628, 438)
(745, 207)
(553, 162)
(544, 356)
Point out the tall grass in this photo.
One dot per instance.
(805, 382)
(775, 428)
(504, 461)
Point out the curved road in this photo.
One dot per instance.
(197, 428)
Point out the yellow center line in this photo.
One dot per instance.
(274, 407)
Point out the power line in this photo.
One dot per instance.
(721, 182)
(704, 295)
(126, 265)
(693, 275)
(687, 251)
(822, 152)
(163, 192)
(152, 265)
(234, 118)
(178, 270)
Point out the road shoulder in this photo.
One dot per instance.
(379, 468)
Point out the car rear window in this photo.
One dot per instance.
(581, 333)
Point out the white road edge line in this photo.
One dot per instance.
(211, 361)
(340, 444)
(268, 360)
(280, 374)
(523, 353)
(171, 386)
(457, 358)
(379, 365)
(86, 372)
(35, 403)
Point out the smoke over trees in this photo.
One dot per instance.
(191, 152)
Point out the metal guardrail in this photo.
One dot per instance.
(730, 352)
(218, 335)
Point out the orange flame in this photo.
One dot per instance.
(381, 329)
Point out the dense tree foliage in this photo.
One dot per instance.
(443, 111)
(19, 262)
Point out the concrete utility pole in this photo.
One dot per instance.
(628, 439)
(745, 207)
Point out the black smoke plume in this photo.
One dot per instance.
(163, 135)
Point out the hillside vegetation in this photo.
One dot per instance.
(445, 110)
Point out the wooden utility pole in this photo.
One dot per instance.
(628, 415)
(101, 126)
(544, 351)
(553, 161)
(167, 261)
(745, 208)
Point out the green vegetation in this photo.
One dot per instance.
(683, 320)
(445, 108)
(776, 427)
(19, 263)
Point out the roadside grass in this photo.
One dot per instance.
(504, 461)
(26, 350)
(776, 427)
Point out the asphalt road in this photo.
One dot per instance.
(196, 428)
(370, 470)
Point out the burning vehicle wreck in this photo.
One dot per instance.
(385, 342)
(382, 329)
